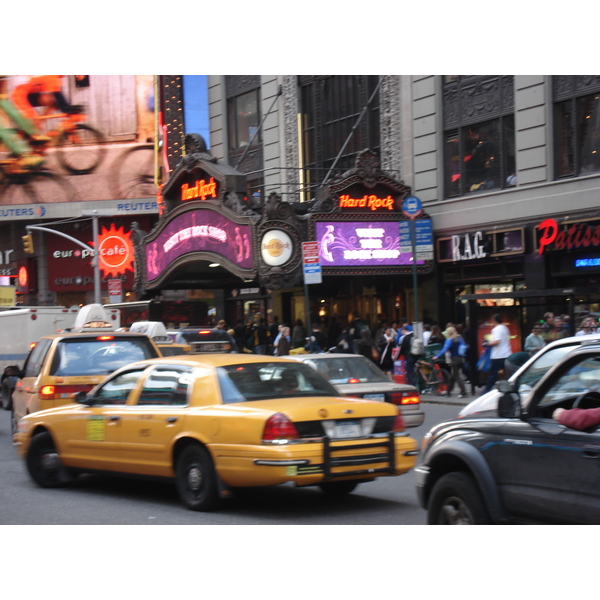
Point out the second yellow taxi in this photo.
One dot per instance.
(216, 422)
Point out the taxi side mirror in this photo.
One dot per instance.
(82, 398)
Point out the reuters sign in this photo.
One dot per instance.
(276, 248)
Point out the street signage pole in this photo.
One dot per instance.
(93, 251)
(312, 274)
(412, 208)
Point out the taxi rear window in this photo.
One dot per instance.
(97, 356)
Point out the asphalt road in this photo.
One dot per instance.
(95, 499)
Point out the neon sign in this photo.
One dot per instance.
(201, 189)
(578, 235)
(199, 231)
(371, 202)
(116, 251)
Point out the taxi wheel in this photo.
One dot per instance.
(196, 479)
(338, 488)
(456, 500)
(43, 462)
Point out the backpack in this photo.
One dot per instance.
(416, 346)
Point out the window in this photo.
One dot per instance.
(243, 127)
(576, 125)
(479, 134)
(36, 358)
(117, 390)
(166, 386)
(330, 109)
(243, 119)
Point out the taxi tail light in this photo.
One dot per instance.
(400, 399)
(398, 422)
(279, 427)
(62, 392)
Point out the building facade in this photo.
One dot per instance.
(507, 168)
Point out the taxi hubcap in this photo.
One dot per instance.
(195, 479)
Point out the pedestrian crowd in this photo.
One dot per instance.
(395, 349)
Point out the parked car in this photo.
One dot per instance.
(515, 463)
(215, 422)
(63, 364)
(356, 376)
(531, 372)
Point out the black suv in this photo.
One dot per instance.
(515, 463)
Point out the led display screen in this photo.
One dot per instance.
(360, 244)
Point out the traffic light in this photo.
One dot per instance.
(28, 244)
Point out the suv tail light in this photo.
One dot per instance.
(279, 427)
(404, 399)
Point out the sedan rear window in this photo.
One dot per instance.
(340, 369)
(97, 356)
(265, 381)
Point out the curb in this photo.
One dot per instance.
(454, 400)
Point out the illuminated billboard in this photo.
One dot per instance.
(361, 244)
(199, 231)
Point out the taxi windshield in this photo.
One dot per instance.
(265, 381)
(97, 356)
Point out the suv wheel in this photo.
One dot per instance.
(455, 500)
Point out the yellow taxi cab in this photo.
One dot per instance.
(157, 331)
(215, 422)
(63, 364)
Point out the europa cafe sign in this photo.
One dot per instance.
(116, 251)
(567, 236)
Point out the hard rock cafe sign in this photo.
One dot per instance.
(276, 248)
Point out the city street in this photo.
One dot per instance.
(95, 499)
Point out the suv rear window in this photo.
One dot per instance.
(97, 356)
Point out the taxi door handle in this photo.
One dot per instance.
(171, 419)
(114, 418)
(591, 452)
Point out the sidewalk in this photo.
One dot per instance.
(431, 398)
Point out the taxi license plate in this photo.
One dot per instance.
(378, 397)
(347, 429)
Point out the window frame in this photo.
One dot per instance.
(330, 106)
(569, 92)
(470, 102)
(233, 121)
